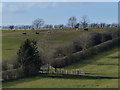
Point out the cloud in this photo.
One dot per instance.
(20, 7)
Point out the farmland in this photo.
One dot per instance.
(87, 65)
(40, 82)
(100, 64)
(12, 40)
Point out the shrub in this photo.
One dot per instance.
(85, 41)
(105, 37)
(58, 51)
(58, 62)
(114, 32)
(96, 38)
(81, 55)
(12, 74)
(29, 58)
(4, 65)
(76, 45)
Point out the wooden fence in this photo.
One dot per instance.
(12, 74)
(63, 71)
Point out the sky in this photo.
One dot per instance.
(24, 13)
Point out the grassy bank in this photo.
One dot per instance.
(103, 63)
(100, 64)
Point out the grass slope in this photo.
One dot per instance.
(100, 64)
(90, 65)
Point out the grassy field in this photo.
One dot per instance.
(92, 66)
(11, 41)
(100, 64)
(40, 82)
(89, 66)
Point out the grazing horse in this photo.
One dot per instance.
(24, 33)
(36, 32)
(48, 31)
(86, 29)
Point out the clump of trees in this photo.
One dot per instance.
(82, 43)
(27, 62)
(83, 47)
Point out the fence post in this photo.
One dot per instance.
(62, 71)
(7, 77)
(65, 71)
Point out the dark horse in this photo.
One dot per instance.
(24, 33)
(86, 29)
(36, 32)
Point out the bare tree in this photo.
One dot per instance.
(38, 23)
(84, 22)
(85, 41)
(72, 22)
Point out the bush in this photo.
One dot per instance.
(105, 37)
(76, 45)
(85, 41)
(12, 74)
(88, 40)
(10, 64)
(58, 51)
(4, 65)
(59, 62)
(84, 47)
(96, 38)
(81, 55)
(114, 32)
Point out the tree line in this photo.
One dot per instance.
(72, 23)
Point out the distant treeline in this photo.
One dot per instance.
(72, 23)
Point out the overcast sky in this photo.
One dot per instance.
(21, 13)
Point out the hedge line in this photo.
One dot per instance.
(12, 74)
(81, 55)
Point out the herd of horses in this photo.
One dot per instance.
(86, 29)
(35, 32)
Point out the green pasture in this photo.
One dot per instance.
(92, 65)
(11, 40)
(44, 82)
(101, 64)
